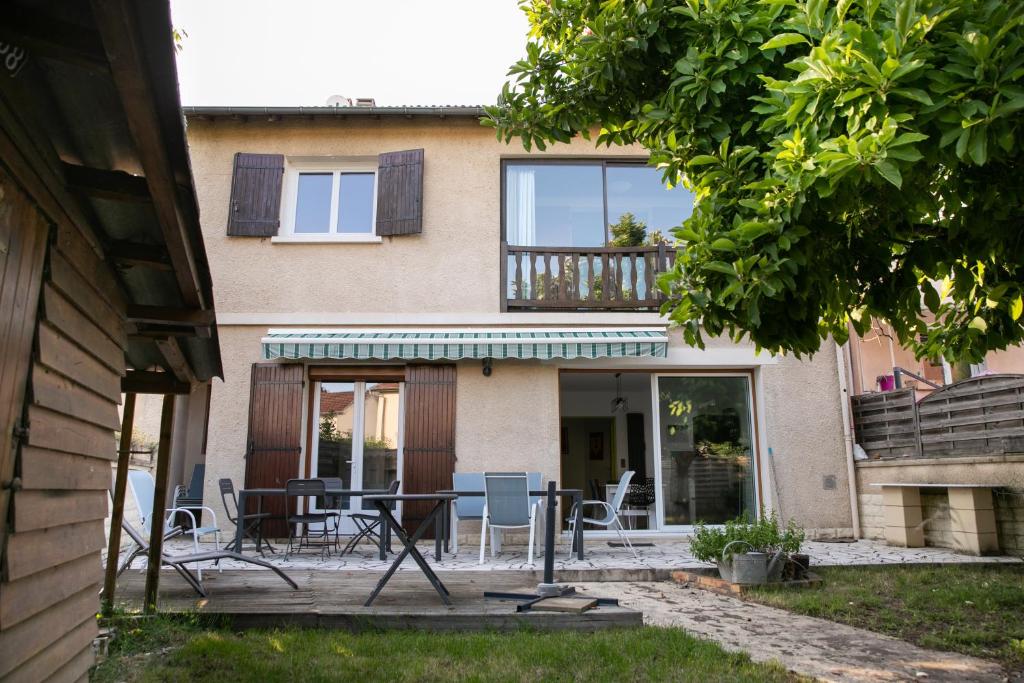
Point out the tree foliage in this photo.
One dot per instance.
(852, 160)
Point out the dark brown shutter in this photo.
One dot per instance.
(255, 207)
(400, 193)
(429, 445)
(275, 428)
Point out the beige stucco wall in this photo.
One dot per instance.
(451, 272)
(1009, 360)
(805, 433)
(452, 267)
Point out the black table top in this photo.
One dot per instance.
(409, 496)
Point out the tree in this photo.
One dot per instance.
(628, 231)
(852, 161)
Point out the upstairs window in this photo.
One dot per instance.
(579, 203)
(328, 201)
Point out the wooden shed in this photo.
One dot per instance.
(104, 289)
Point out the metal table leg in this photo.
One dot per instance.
(409, 543)
(578, 540)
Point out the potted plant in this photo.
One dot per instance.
(747, 552)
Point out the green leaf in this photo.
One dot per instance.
(978, 323)
(784, 39)
(915, 94)
(1016, 307)
(687, 235)
(720, 267)
(723, 244)
(978, 148)
(888, 170)
(702, 160)
(931, 297)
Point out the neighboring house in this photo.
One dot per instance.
(358, 248)
(959, 424)
(104, 288)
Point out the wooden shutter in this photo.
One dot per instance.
(400, 193)
(23, 233)
(275, 428)
(429, 444)
(255, 208)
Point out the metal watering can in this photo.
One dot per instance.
(750, 568)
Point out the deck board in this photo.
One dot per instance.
(334, 599)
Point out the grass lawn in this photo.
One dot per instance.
(182, 650)
(972, 609)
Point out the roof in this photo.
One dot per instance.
(97, 104)
(275, 113)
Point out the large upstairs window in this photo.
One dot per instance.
(578, 203)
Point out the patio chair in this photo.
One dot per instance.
(143, 490)
(191, 497)
(332, 505)
(507, 505)
(252, 523)
(306, 489)
(609, 512)
(178, 562)
(468, 507)
(640, 497)
(369, 525)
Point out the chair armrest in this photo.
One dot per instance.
(170, 514)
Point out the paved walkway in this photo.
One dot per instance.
(664, 555)
(811, 647)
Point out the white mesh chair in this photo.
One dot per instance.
(466, 507)
(507, 505)
(609, 514)
(143, 489)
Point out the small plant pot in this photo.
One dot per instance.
(799, 563)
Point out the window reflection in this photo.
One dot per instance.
(313, 203)
(706, 449)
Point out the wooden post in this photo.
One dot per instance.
(156, 532)
(117, 513)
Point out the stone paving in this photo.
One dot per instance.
(666, 554)
(821, 649)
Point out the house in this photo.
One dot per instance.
(104, 289)
(363, 251)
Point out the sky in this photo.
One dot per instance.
(300, 52)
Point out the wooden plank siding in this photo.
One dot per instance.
(978, 416)
(429, 440)
(49, 593)
(255, 206)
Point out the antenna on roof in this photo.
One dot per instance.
(338, 101)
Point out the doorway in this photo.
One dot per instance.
(607, 424)
(357, 437)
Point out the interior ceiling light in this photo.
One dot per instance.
(619, 404)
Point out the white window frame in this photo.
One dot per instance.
(289, 203)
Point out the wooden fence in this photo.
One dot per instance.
(978, 416)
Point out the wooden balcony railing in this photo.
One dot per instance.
(584, 278)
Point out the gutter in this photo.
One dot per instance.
(843, 368)
(334, 112)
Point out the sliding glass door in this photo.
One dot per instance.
(706, 447)
(357, 435)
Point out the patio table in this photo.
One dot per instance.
(383, 504)
(577, 498)
(259, 493)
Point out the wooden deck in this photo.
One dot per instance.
(334, 599)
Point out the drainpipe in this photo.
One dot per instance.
(843, 367)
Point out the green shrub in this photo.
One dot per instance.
(764, 535)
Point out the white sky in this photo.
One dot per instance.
(299, 52)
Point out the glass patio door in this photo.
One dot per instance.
(706, 449)
(357, 437)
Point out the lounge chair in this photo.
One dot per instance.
(178, 562)
(143, 488)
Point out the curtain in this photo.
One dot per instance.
(520, 206)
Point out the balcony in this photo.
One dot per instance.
(583, 278)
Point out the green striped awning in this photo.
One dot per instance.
(456, 344)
